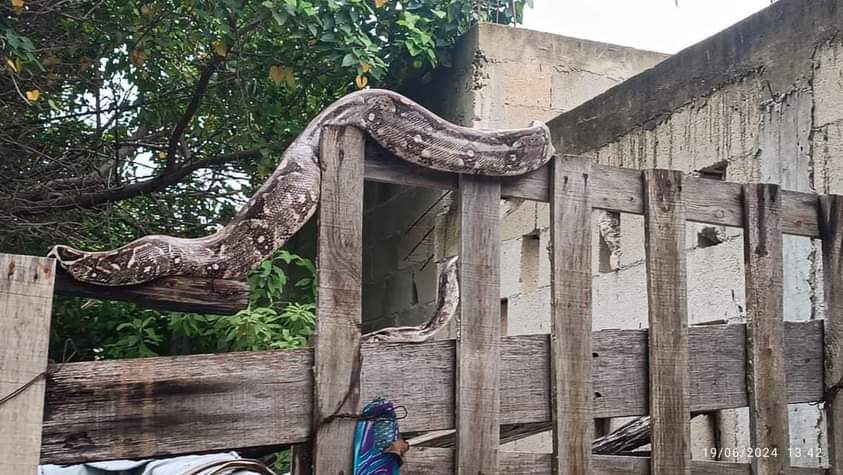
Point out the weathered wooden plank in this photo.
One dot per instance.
(832, 243)
(339, 298)
(613, 189)
(179, 294)
(26, 300)
(172, 405)
(765, 327)
(423, 461)
(664, 245)
(478, 341)
(618, 189)
(570, 315)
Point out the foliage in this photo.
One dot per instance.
(278, 317)
(120, 118)
(175, 109)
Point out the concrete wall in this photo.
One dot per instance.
(764, 98)
(500, 77)
(760, 102)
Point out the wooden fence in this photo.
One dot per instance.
(479, 384)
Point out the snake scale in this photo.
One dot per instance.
(291, 194)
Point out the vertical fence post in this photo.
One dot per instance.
(478, 342)
(664, 226)
(301, 459)
(831, 231)
(570, 274)
(340, 263)
(765, 328)
(26, 301)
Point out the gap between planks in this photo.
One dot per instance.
(174, 405)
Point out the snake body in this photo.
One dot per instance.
(291, 194)
(447, 303)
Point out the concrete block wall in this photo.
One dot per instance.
(501, 77)
(762, 98)
(759, 102)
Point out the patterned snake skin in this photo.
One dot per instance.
(290, 196)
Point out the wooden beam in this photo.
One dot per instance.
(151, 407)
(832, 243)
(763, 256)
(616, 189)
(612, 189)
(178, 294)
(570, 315)
(423, 461)
(339, 302)
(478, 342)
(664, 245)
(26, 302)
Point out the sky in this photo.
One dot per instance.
(657, 25)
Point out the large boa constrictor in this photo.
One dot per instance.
(290, 196)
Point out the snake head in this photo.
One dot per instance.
(81, 265)
(123, 266)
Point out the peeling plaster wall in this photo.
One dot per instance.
(766, 98)
(763, 139)
(500, 77)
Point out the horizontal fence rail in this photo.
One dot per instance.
(179, 294)
(170, 405)
(612, 189)
(483, 386)
(616, 189)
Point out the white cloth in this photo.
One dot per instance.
(169, 466)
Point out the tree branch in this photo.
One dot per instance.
(94, 199)
(190, 111)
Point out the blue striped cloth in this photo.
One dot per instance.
(376, 430)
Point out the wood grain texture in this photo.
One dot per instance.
(832, 244)
(339, 302)
(26, 299)
(618, 189)
(178, 294)
(151, 407)
(765, 327)
(424, 461)
(664, 245)
(174, 405)
(612, 188)
(478, 341)
(570, 315)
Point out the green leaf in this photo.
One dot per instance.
(243, 110)
(280, 17)
(348, 60)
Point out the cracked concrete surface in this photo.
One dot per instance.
(768, 116)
